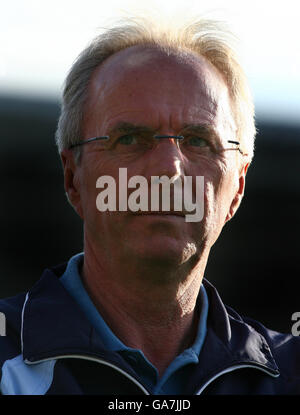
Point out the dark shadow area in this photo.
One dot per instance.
(254, 264)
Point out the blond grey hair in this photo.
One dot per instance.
(208, 38)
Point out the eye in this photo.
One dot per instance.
(196, 141)
(127, 139)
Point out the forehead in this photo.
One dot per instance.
(181, 83)
(138, 62)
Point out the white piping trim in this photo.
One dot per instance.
(79, 356)
(104, 362)
(230, 369)
(22, 321)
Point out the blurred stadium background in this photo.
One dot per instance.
(255, 262)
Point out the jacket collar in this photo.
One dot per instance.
(231, 340)
(53, 325)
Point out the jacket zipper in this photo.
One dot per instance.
(231, 369)
(101, 361)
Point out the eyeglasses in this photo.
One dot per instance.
(134, 143)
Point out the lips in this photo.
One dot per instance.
(168, 213)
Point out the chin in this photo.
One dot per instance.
(166, 252)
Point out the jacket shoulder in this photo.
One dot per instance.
(285, 349)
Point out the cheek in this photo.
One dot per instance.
(88, 191)
(98, 164)
(218, 190)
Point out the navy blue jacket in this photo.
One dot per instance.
(51, 348)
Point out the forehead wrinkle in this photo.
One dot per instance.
(124, 119)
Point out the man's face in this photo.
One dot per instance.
(145, 87)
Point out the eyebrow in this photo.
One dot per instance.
(205, 129)
(128, 128)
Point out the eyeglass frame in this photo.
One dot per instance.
(178, 137)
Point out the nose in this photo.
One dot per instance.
(166, 159)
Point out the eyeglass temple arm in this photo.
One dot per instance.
(180, 137)
(238, 148)
(104, 137)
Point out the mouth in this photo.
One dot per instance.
(160, 213)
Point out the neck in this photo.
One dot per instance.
(144, 303)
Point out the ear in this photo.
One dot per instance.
(239, 193)
(71, 180)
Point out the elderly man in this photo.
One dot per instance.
(133, 312)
